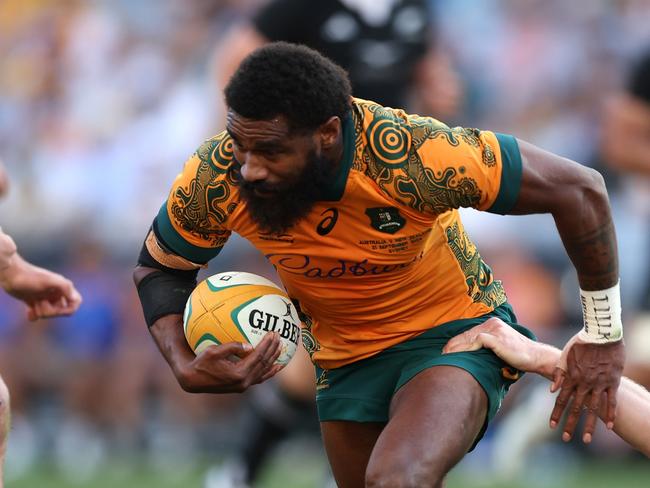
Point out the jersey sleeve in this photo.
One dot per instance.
(433, 168)
(468, 167)
(192, 223)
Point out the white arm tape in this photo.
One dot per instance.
(601, 311)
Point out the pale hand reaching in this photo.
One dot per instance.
(514, 348)
(46, 294)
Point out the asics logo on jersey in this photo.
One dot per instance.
(326, 225)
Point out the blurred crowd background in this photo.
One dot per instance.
(101, 102)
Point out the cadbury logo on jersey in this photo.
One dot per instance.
(385, 219)
(300, 264)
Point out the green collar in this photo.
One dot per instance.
(334, 192)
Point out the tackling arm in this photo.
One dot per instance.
(633, 419)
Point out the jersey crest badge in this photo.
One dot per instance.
(385, 219)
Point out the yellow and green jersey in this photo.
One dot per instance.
(384, 256)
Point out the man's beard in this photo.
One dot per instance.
(289, 204)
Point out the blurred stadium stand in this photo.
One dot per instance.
(102, 101)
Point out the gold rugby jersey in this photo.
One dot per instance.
(384, 257)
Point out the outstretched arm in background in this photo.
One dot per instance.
(632, 422)
(45, 293)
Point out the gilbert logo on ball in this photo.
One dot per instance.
(240, 307)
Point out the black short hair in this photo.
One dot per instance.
(290, 80)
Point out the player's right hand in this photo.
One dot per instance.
(217, 369)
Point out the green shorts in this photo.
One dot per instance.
(362, 391)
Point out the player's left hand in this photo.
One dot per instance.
(589, 374)
(45, 293)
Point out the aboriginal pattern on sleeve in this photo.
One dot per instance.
(200, 204)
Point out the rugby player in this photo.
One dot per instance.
(414, 70)
(632, 422)
(355, 204)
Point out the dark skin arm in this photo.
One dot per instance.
(212, 371)
(577, 198)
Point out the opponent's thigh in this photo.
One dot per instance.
(348, 446)
(434, 420)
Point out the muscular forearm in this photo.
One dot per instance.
(577, 198)
(588, 234)
(168, 334)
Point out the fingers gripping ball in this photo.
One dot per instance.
(240, 307)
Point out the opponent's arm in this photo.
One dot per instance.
(8, 251)
(577, 198)
(163, 291)
(46, 294)
(633, 419)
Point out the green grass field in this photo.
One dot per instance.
(309, 472)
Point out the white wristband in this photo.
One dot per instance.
(601, 312)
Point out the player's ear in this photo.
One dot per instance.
(328, 132)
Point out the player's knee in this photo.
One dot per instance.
(409, 475)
